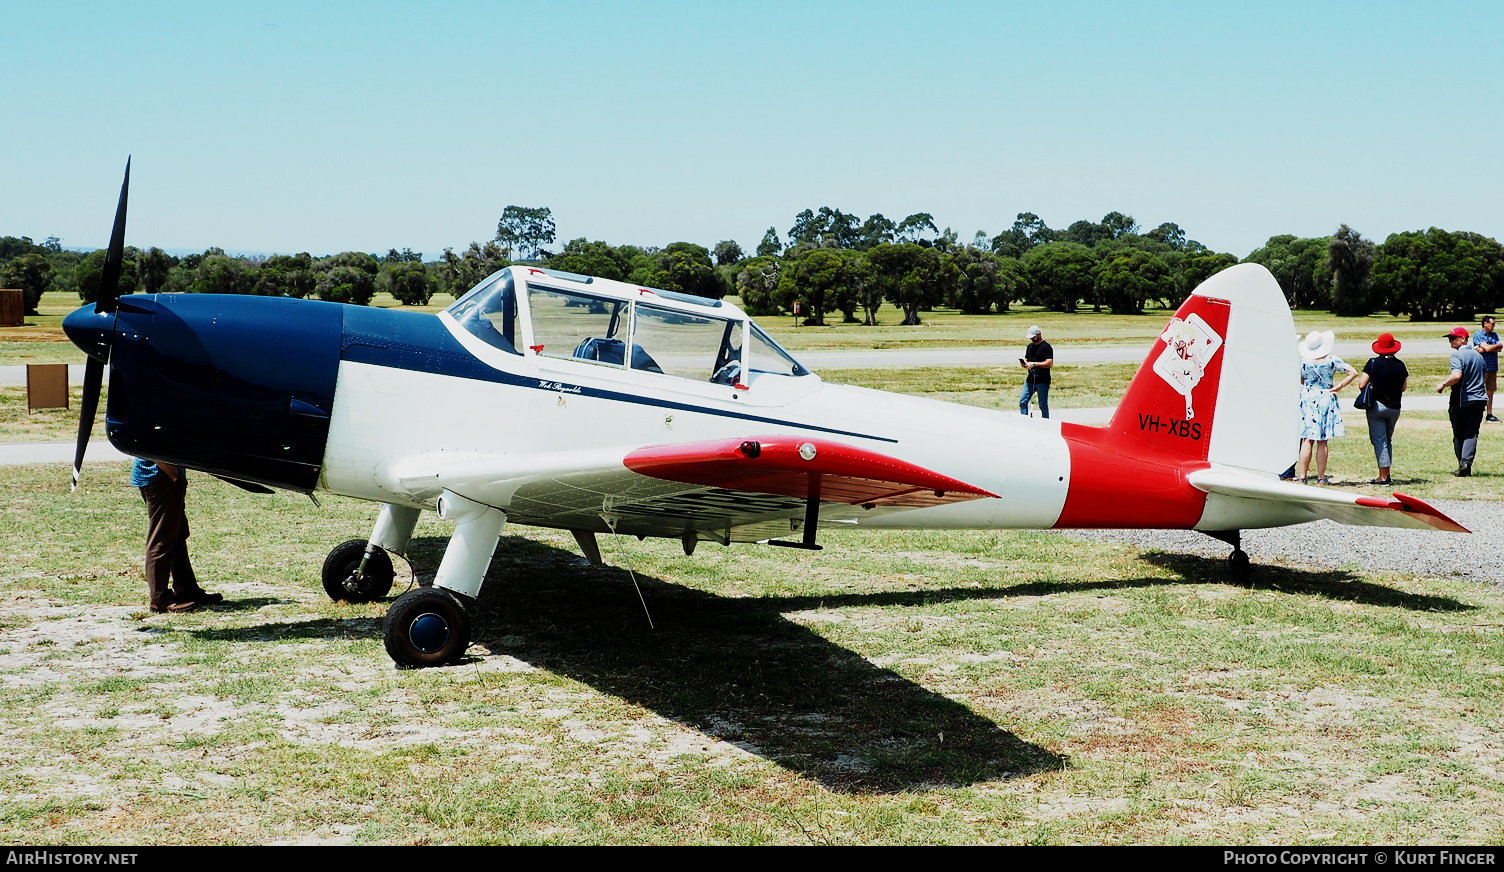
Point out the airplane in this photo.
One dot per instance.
(550, 399)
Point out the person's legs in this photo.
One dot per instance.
(1490, 379)
(1044, 400)
(184, 582)
(1321, 451)
(1023, 399)
(1305, 458)
(1381, 421)
(1454, 415)
(164, 518)
(1472, 422)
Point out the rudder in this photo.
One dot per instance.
(1227, 358)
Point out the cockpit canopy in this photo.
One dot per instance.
(574, 317)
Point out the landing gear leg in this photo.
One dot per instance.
(1239, 568)
(431, 626)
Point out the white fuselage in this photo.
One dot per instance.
(381, 412)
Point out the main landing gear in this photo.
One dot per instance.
(427, 626)
(1239, 567)
(430, 626)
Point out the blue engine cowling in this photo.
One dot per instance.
(238, 386)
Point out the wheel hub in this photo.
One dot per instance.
(429, 632)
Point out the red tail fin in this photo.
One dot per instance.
(1132, 472)
(1171, 404)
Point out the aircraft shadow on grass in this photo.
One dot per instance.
(1337, 584)
(736, 669)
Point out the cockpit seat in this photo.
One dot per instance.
(603, 350)
(612, 351)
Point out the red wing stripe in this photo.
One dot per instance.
(776, 466)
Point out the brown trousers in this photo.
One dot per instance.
(167, 543)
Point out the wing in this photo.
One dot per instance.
(1397, 511)
(726, 489)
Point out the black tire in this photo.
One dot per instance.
(341, 564)
(1239, 567)
(427, 627)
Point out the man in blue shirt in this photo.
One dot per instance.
(1486, 341)
(1468, 399)
(170, 583)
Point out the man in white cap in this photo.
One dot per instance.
(1468, 399)
(1038, 358)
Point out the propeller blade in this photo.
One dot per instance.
(93, 382)
(109, 294)
(109, 275)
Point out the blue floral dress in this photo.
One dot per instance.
(1320, 411)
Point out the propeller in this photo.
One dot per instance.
(105, 302)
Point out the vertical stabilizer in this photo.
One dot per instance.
(1219, 386)
(1222, 382)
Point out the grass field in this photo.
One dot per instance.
(898, 688)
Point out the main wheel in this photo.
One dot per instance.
(340, 568)
(427, 627)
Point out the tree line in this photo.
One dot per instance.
(838, 263)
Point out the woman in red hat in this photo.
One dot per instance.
(1389, 378)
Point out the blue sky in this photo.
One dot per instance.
(283, 127)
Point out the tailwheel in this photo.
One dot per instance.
(1239, 567)
(347, 580)
(428, 626)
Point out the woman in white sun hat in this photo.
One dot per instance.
(1320, 413)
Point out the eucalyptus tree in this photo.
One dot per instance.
(912, 277)
(1197, 267)
(86, 274)
(459, 273)
(874, 232)
(1125, 279)
(915, 227)
(757, 284)
(1028, 230)
(684, 267)
(770, 246)
(592, 259)
(1299, 265)
(286, 275)
(818, 280)
(154, 266)
(1432, 275)
(348, 277)
(524, 230)
(727, 252)
(407, 281)
(1061, 274)
(223, 274)
(30, 272)
(1350, 258)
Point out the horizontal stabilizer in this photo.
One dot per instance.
(1345, 508)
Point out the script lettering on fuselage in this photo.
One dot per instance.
(561, 388)
(1177, 427)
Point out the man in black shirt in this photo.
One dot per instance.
(1037, 359)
